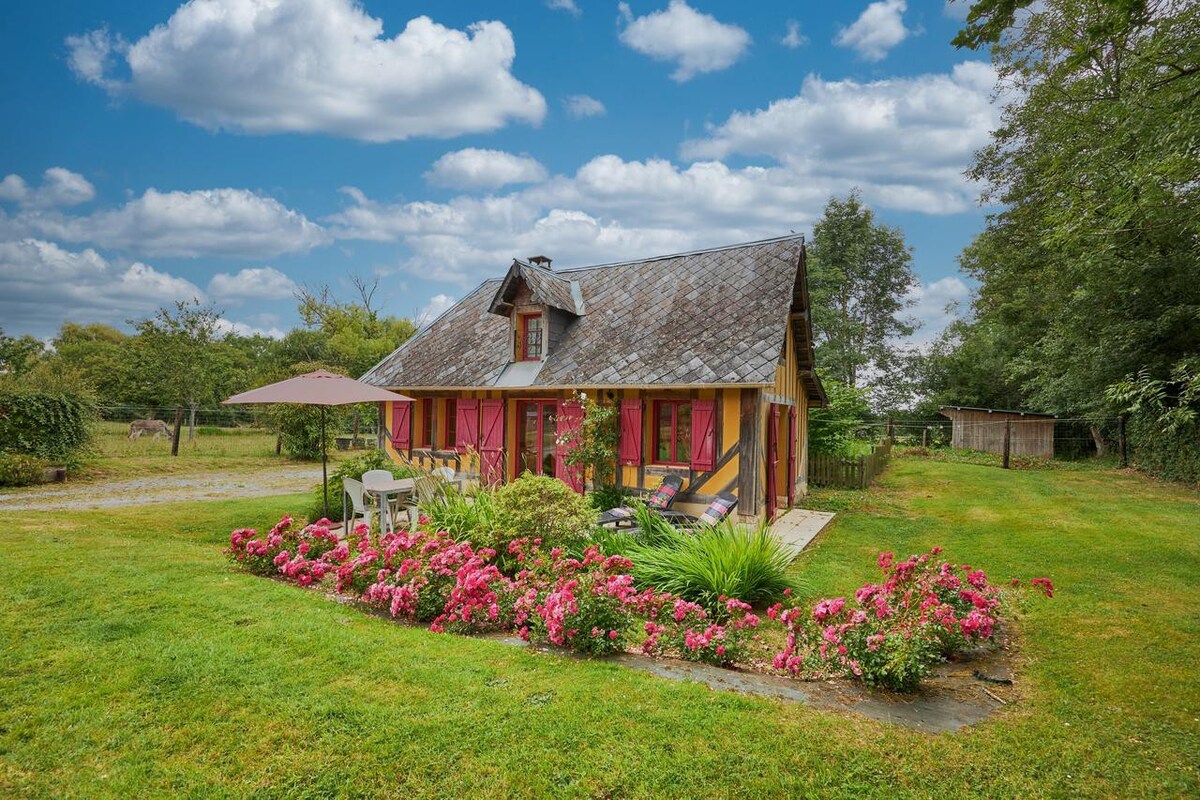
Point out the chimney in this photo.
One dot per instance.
(540, 261)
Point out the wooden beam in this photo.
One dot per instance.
(748, 448)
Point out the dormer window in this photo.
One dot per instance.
(529, 337)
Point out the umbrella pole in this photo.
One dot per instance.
(324, 467)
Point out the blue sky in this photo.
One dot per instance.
(234, 149)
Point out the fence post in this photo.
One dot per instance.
(925, 436)
(1123, 442)
(862, 471)
(891, 429)
(1007, 439)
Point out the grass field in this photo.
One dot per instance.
(114, 456)
(136, 662)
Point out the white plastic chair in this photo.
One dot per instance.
(356, 508)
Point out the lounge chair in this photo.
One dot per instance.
(718, 510)
(660, 500)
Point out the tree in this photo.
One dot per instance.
(860, 274)
(180, 360)
(1089, 269)
(357, 336)
(19, 354)
(970, 364)
(102, 355)
(831, 428)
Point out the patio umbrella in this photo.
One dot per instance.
(322, 389)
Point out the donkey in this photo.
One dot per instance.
(153, 426)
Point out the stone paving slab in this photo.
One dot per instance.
(799, 526)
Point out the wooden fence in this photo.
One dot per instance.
(848, 473)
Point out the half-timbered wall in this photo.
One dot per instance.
(740, 416)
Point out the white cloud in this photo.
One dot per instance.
(935, 305)
(207, 222)
(434, 308)
(254, 283)
(579, 106)
(91, 56)
(876, 31)
(793, 38)
(473, 168)
(570, 6)
(59, 187)
(225, 326)
(695, 41)
(39, 279)
(905, 141)
(957, 9)
(609, 209)
(316, 66)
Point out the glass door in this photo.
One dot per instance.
(537, 436)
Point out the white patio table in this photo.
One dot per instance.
(383, 491)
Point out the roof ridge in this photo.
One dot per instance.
(696, 252)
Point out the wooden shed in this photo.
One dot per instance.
(1031, 433)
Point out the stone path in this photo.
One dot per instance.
(162, 489)
(799, 526)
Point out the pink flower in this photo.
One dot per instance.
(828, 608)
(885, 561)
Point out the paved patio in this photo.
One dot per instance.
(799, 526)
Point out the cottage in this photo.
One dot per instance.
(1030, 433)
(708, 356)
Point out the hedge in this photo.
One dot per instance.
(1171, 456)
(52, 426)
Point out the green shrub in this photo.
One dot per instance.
(606, 497)
(299, 428)
(20, 470)
(545, 507)
(1172, 455)
(53, 426)
(354, 468)
(727, 560)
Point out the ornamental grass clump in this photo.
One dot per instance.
(713, 563)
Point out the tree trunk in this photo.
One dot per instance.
(1098, 438)
(178, 430)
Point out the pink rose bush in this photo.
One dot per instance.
(894, 631)
(888, 634)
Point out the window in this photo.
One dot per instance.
(529, 342)
(672, 431)
(426, 439)
(451, 423)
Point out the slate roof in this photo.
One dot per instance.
(715, 316)
(545, 286)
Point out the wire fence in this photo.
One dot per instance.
(232, 418)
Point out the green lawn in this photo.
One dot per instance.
(114, 456)
(137, 663)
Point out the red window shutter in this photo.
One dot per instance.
(402, 425)
(491, 442)
(792, 448)
(570, 417)
(631, 432)
(704, 435)
(466, 434)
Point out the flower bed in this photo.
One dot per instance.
(890, 634)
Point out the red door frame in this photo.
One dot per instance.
(522, 404)
(792, 448)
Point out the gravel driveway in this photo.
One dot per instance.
(164, 489)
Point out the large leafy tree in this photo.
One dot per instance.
(18, 354)
(860, 274)
(1090, 270)
(183, 358)
(353, 336)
